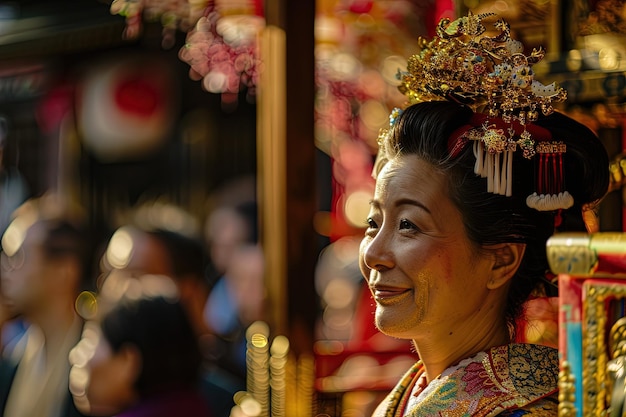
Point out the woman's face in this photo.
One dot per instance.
(101, 381)
(422, 270)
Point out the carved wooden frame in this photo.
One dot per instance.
(595, 352)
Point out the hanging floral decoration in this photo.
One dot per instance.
(222, 51)
(221, 38)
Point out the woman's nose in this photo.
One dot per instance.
(376, 254)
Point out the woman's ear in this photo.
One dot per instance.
(507, 259)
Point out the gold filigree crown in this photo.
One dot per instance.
(492, 75)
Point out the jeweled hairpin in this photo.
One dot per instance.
(493, 77)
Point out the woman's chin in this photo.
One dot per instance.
(393, 325)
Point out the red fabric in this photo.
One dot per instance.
(611, 263)
(54, 106)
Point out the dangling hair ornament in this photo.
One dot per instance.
(550, 183)
(383, 154)
(493, 77)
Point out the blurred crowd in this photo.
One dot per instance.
(149, 321)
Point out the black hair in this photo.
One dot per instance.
(160, 329)
(249, 213)
(187, 255)
(423, 129)
(68, 238)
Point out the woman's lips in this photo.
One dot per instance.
(389, 295)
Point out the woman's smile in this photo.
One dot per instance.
(386, 295)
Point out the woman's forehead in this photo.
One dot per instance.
(409, 174)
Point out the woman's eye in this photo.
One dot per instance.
(405, 224)
(371, 223)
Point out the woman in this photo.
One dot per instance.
(138, 356)
(471, 180)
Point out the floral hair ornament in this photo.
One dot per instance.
(493, 77)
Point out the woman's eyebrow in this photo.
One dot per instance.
(411, 202)
(402, 202)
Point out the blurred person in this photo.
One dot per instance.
(13, 192)
(244, 280)
(13, 187)
(188, 263)
(45, 253)
(12, 328)
(150, 248)
(138, 355)
(227, 227)
(237, 295)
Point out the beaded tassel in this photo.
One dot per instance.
(550, 184)
(497, 167)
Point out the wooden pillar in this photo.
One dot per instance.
(287, 169)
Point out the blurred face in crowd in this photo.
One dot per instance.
(137, 253)
(226, 230)
(102, 381)
(27, 273)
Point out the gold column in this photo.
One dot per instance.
(272, 160)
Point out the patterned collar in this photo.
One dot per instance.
(503, 378)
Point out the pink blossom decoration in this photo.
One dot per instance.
(222, 52)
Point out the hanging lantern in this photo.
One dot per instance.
(125, 106)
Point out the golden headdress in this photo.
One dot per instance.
(493, 77)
